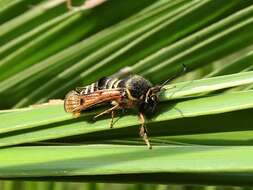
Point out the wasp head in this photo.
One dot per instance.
(150, 101)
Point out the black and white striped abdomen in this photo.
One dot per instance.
(87, 89)
(103, 83)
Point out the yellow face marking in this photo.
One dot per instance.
(146, 100)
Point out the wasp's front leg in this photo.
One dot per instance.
(143, 131)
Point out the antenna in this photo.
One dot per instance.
(175, 76)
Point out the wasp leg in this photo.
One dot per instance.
(111, 124)
(76, 114)
(143, 131)
(108, 111)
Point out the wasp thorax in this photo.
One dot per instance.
(138, 86)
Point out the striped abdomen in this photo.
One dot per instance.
(104, 83)
(136, 84)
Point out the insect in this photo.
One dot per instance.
(128, 92)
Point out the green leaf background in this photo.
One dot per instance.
(202, 130)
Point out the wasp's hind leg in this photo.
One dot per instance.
(143, 131)
(111, 124)
(108, 111)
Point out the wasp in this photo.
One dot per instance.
(132, 91)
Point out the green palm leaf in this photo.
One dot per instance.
(202, 130)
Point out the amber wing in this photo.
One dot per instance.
(75, 102)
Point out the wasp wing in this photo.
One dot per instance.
(75, 102)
